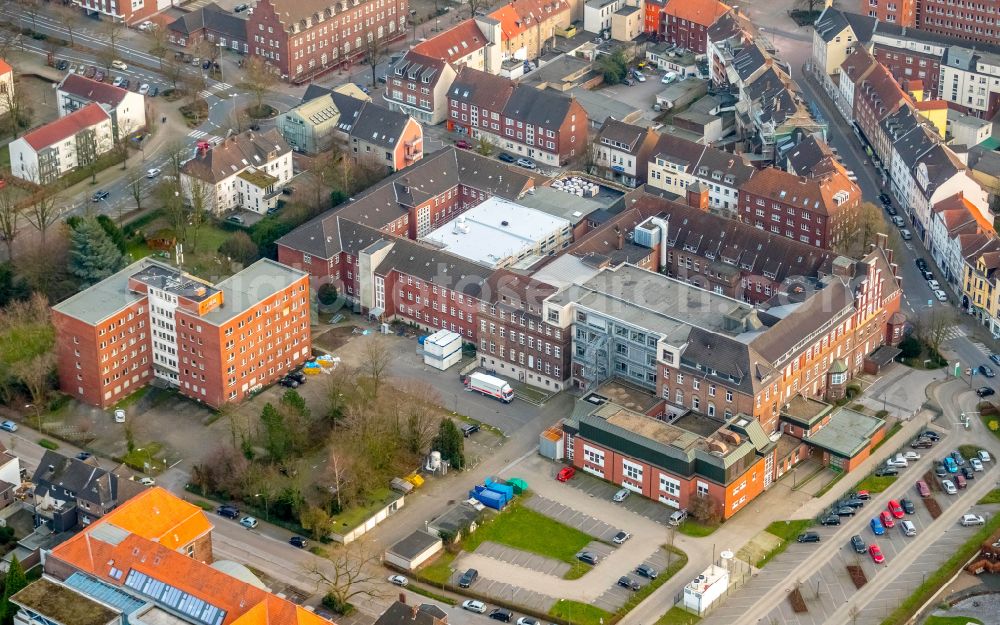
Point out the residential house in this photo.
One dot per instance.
(69, 491)
(130, 13)
(597, 15)
(418, 86)
(46, 153)
(211, 24)
(984, 167)
(473, 43)
(6, 86)
(821, 210)
(981, 293)
(686, 23)
(401, 613)
(626, 23)
(966, 130)
(544, 125)
(876, 97)
(305, 39)
(809, 156)
(126, 108)
(902, 13)
(950, 218)
(527, 25)
(622, 152)
(244, 171)
(853, 71)
(836, 35)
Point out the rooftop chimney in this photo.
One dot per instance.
(619, 238)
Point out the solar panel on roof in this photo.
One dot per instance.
(174, 598)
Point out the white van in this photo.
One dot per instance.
(678, 517)
(908, 528)
(898, 221)
(905, 234)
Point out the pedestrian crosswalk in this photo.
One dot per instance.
(201, 135)
(954, 332)
(215, 89)
(983, 348)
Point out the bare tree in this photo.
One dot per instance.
(351, 572)
(31, 8)
(35, 374)
(19, 112)
(375, 53)
(177, 154)
(136, 186)
(865, 224)
(475, 6)
(172, 68)
(69, 17)
(199, 196)
(123, 132)
(933, 326)
(43, 211)
(376, 359)
(112, 32)
(158, 44)
(10, 214)
(258, 78)
(86, 152)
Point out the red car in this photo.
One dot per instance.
(895, 509)
(462, 143)
(876, 554)
(887, 519)
(863, 495)
(565, 474)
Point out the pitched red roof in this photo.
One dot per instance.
(520, 15)
(815, 193)
(65, 127)
(454, 43)
(4, 68)
(92, 90)
(703, 12)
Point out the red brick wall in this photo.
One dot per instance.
(653, 21)
(690, 35)
(899, 61)
(972, 21)
(901, 12)
(414, 299)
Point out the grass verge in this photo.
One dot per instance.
(952, 620)
(133, 398)
(991, 497)
(47, 444)
(577, 570)
(875, 483)
(936, 580)
(579, 613)
(677, 562)
(522, 528)
(678, 616)
(432, 595)
(691, 527)
(829, 485)
(787, 531)
(439, 571)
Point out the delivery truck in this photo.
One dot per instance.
(490, 385)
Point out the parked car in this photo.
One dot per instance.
(830, 519)
(907, 528)
(863, 495)
(950, 464)
(239, 8)
(507, 158)
(858, 544)
(668, 78)
(972, 519)
(885, 199)
(621, 537)
(62, 65)
(898, 462)
(117, 82)
(249, 522)
(987, 371)
(876, 554)
(230, 512)
(119, 415)
(474, 606)
(846, 511)
(968, 473)
(949, 487)
(886, 471)
(147, 481)
(100, 196)
(468, 578)
(119, 65)
(646, 571)
(621, 495)
(984, 455)
(877, 528)
(627, 582)
(985, 391)
(527, 163)
(940, 295)
(885, 517)
(908, 506)
(853, 502)
(587, 558)
(99, 75)
(154, 91)
(930, 434)
(940, 470)
(125, 83)
(463, 144)
(896, 509)
(960, 482)
(677, 517)
(958, 457)
(469, 429)
(922, 443)
(911, 455)
(566, 474)
(399, 580)
(288, 382)
(905, 234)
(808, 537)
(236, 219)
(638, 75)
(302, 543)
(527, 620)
(153, 172)
(977, 464)
(501, 614)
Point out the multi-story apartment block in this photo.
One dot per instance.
(836, 34)
(963, 19)
(540, 124)
(903, 13)
(597, 15)
(126, 108)
(418, 86)
(876, 97)
(305, 39)
(216, 344)
(246, 171)
(820, 210)
(854, 70)
(677, 163)
(131, 12)
(473, 43)
(527, 25)
(48, 152)
(652, 18)
(686, 24)
(515, 340)
(622, 151)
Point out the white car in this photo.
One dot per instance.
(984, 455)
(621, 537)
(117, 82)
(972, 519)
(147, 26)
(144, 89)
(474, 606)
(399, 580)
(639, 76)
(119, 65)
(898, 462)
(620, 495)
(940, 295)
(934, 284)
(153, 172)
(949, 487)
(249, 522)
(977, 464)
(147, 481)
(119, 416)
(911, 455)
(668, 78)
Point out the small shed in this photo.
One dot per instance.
(409, 553)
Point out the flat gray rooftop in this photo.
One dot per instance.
(257, 282)
(108, 296)
(655, 302)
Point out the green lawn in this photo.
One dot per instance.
(678, 560)
(139, 457)
(787, 531)
(969, 451)
(527, 530)
(951, 620)
(25, 342)
(678, 616)
(578, 613)
(439, 571)
(875, 483)
(691, 527)
(991, 497)
(353, 517)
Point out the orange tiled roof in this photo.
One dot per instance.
(520, 15)
(455, 43)
(157, 515)
(815, 193)
(931, 105)
(959, 202)
(703, 12)
(65, 127)
(110, 558)
(5, 68)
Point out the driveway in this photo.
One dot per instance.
(642, 95)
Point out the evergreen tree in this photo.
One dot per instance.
(278, 440)
(93, 256)
(13, 583)
(450, 442)
(114, 232)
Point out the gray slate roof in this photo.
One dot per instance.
(213, 18)
(67, 479)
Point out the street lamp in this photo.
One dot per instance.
(267, 515)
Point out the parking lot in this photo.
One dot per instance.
(599, 489)
(828, 586)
